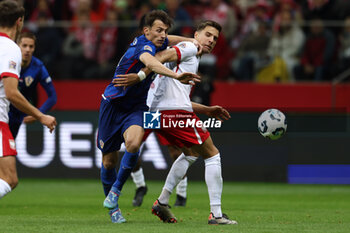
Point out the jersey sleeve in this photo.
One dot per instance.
(145, 48)
(46, 83)
(184, 50)
(10, 65)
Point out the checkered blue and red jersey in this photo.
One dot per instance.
(29, 78)
(130, 63)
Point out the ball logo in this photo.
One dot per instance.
(151, 120)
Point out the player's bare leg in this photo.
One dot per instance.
(213, 179)
(133, 138)
(139, 180)
(8, 175)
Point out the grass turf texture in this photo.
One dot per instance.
(76, 206)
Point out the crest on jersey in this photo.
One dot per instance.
(12, 65)
(101, 144)
(28, 80)
(147, 47)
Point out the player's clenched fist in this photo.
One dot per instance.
(49, 121)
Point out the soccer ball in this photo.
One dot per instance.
(272, 124)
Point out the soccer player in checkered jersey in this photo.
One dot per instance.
(11, 23)
(173, 98)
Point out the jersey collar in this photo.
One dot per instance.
(4, 34)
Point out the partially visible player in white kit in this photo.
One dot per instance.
(11, 23)
(173, 100)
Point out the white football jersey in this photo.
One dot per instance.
(167, 93)
(10, 66)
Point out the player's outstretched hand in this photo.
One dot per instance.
(126, 80)
(28, 119)
(189, 78)
(219, 113)
(49, 121)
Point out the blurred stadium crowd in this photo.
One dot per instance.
(262, 40)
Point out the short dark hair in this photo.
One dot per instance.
(152, 16)
(10, 11)
(26, 34)
(203, 24)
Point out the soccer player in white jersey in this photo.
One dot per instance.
(11, 23)
(172, 99)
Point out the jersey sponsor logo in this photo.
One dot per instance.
(12, 144)
(151, 120)
(48, 79)
(147, 47)
(12, 65)
(28, 80)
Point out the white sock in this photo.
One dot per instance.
(213, 180)
(4, 188)
(177, 172)
(138, 178)
(181, 187)
(164, 196)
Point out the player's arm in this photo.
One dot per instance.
(153, 64)
(169, 55)
(22, 104)
(50, 101)
(173, 40)
(216, 111)
(127, 80)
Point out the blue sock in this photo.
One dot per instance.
(108, 178)
(127, 163)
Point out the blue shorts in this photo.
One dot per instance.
(15, 121)
(113, 121)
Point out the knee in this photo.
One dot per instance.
(174, 152)
(109, 163)
(12, 181)
(215, 151)
(132, 146)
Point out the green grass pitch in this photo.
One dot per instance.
(49, 205)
